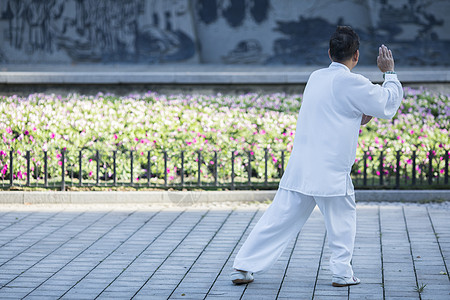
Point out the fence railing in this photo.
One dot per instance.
(63, 170)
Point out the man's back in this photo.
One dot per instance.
(327, 131)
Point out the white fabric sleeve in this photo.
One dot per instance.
(371, 99)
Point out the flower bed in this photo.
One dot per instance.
(152, 123)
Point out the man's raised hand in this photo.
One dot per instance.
(385, 61)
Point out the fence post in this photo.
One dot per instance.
(97, 158)
(413, 179)
(149, 173)
(11, 167)
(132, 166)
(215, 168)
(447, 153)
(114, 168)
(63, 171)
(249, 168)
(265, 165)
(282, 162)
(397, 174)
(28, 167)
(232, 170)
(365, 169)
(381, 168)
(80, 168)
(182, 169)
(165, 167)
(430, 167)
(45, 169)
(199, 165)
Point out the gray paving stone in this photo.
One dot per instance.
(194, 254)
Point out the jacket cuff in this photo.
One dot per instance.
(390, 77)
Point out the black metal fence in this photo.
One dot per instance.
(63, 170)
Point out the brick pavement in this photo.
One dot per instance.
(137, 251)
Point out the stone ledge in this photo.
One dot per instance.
(191, 197)
(195, 74)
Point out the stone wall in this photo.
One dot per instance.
(262, 32)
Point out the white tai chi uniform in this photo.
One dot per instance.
(318, 171)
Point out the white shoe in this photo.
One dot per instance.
(241, 277)
(345, 281)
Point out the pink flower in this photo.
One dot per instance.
(90, 174)
(52, 135)
(4, 169)
(60, 163)
(115, 136)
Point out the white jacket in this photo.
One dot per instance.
(328, 126)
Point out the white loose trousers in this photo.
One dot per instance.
(283, 220)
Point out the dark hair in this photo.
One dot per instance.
(343, 43)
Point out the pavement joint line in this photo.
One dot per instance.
(84, 250)
(33, 227)
(287, 264)
(439, 244)
(110, 230)
(196, 259)
(231, 253)
(44, 237)
(42, 258)
(173, 250)
(149, 244)
(320, 263)
(411, 251)
(381, 251)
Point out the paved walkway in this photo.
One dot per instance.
(153, 252)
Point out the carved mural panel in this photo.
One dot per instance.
(132, 31)
(262, 32)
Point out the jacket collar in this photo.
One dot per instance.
(338, 65)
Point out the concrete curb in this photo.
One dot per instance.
(191, 197)
(196, 74)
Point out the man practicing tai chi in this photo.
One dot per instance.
(336, 102)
